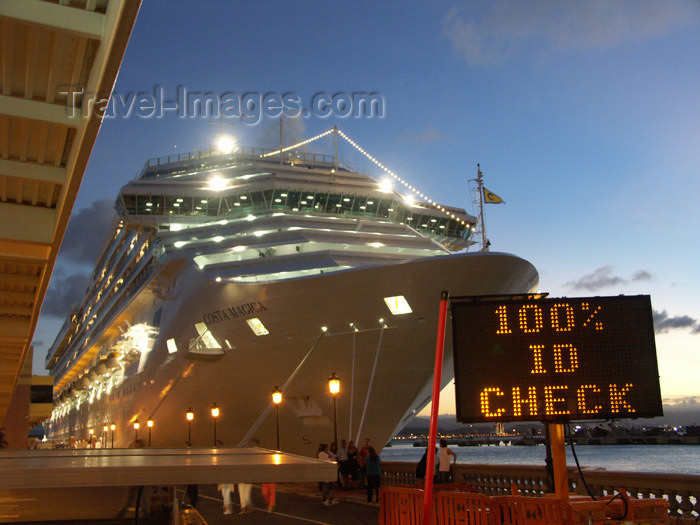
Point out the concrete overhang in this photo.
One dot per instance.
(45, 47)
(37, 469)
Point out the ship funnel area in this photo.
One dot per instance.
(107, 370)
(204, 347)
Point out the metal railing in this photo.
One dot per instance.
(681, 490)
(177, 163)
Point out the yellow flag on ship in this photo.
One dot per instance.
(492, 198)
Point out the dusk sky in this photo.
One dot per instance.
(584, 117)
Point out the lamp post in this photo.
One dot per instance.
(136, 432)
(91, 432)
(190, 417)
(334, 387)
(112, 427)
(149, 424)
(104, 436)
(215, 414)
(277, 399)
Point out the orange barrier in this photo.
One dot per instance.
(401, 506)
(523, 510)
(455, 504)
(462, 508)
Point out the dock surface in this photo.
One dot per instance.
(297, 504)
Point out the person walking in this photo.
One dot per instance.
(226, 490)
(373, 473)
(445, 454)
(269, 492)
(245, 494)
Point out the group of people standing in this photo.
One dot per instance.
(356, 468)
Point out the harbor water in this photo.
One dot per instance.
(676, 459)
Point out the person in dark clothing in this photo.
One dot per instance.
(422, 466)
(374, 474)
(193, 494)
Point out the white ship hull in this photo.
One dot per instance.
(163, 386)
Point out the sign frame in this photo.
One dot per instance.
(529, 357)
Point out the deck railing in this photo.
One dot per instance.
(177, 163)
(681, 490)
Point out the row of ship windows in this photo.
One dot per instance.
(328, 203)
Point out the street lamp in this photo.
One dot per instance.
(277, 399)
(334, 387)
(190, 417)
(104, 436)
(112, 427)
(91, 432)
(136, 432)
(215, 414)
(149, 424)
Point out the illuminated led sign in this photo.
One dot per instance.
(526, 359)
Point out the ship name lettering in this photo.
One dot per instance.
(233, 312)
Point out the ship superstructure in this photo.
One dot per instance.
(228, 274)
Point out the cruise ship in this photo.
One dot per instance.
(230, 274)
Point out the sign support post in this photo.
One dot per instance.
(432, 435)
(558, 450)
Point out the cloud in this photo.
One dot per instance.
(641, 275)
(682, 401)
(65, 293)
(491, 33)
(428, 135)
(604, 277)
(85, 237)
(663, 323)
(86, 233)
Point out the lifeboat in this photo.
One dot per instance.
(113, 362)
(101, 367)
(81, 384)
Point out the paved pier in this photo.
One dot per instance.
(298, 504)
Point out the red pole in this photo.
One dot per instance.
(432, 435)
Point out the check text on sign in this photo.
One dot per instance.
(525, 358)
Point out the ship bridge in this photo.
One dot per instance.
(193, 190)
(45, 144)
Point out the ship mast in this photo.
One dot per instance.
(480, 181)
(281, 141)
(335, 154)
